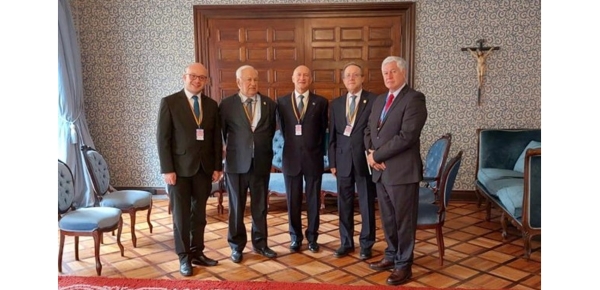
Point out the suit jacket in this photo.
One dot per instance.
(348, 151)
(303, 152)
(397, 141)
(241, 141)
(178, 149)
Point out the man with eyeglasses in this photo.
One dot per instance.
(248, 124)
(190, 150)
(348, 118)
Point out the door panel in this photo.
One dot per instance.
(270, 46)
(274, 40)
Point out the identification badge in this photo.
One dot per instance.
(299, 130)
(200, 134)
(347, 130)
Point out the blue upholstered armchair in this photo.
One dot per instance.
(432, 169)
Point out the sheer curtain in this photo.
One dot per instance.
(72, 125)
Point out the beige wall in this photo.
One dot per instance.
(134, 52)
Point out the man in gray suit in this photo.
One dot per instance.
(347, 121)
(248, 124)
(190, 150)
(392, 138)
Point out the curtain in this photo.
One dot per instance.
(72, 125)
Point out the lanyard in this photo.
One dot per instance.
(248, 115)
(351, 117)
(299, 115)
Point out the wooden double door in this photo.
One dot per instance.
(275, 39)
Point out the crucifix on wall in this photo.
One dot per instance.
(480, 53)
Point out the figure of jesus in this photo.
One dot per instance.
(480, 56)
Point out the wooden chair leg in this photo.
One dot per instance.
(220, 207)
(60, 251)
(527, 244)
(76, 248)
(503, 223)
(488, 211)
(132, 226)
(119, 230)
(169, 209)
(148, 217)
(96, 235)
(440, 242)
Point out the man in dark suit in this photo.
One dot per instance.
(248, 123)
(393, 140)
(347, 121)
(303, 122)
(190, 149)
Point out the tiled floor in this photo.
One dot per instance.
(476, 256)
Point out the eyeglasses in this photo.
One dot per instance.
(195, 77)
(352, 76)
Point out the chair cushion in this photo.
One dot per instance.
(511, 197)
(487, 175)
(277, 183)
(428, 214)
(329, 183)
(520, 164)
(426, 195)
(125, 199)
(89, 219)
(496, 185)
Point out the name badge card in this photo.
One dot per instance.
(347, 130)
(298, 130)
(200, 134)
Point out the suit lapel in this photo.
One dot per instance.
(263, 109)
(361, 106)
(397, 100)
(188, 114)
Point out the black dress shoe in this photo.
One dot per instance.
(266, 251)
(399, 276)
(236, 256)
(186, 269)
(365, 254)
(342, 251)
(382, 265)
(295, 246)
(313, 247)
(202, 260)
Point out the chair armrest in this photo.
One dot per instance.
(532, 191)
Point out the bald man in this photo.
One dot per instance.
(303, 122)
(190, 151)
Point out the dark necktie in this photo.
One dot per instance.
(196, 107)
(300, 104)
(249, 109)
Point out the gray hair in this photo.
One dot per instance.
(238, 72)
(400, 62)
